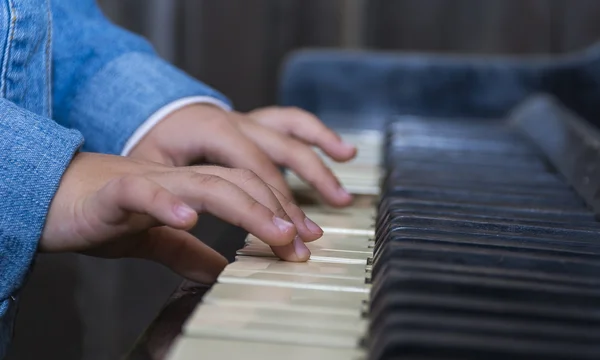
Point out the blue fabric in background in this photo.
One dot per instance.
(348, 87)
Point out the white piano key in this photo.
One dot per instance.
(317, 246)
(291, 299)
(354, 187)
(346, 231)
(355, 212)
(239, 329)
(247, 263)
(216, 349)
(349, 257)
(292, 319)
(363, 220)
(337, 242)
(232, 276)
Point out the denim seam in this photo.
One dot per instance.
(10, 36)
(49, 60)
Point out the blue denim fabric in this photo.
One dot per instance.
(106, 81)
(66, 74)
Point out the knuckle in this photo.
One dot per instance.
(127, 183)
(207, 180)
(247, 176)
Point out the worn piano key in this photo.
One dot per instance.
(477, 186)
(282, 333)
(216, 349)
(472, 226)
(253, 277)
(563, 198)
(353, 184)
(340, 242)
(292, 319)
(526, 162)
(422, 207)
(535, 334)
(351, 218)
(318, 253)
(419, 335)
(514, 178)
(309, 268)
(553, 213)
(292, 299)
(534, 245)
(557, 267)
(436, 194)
(399, 216)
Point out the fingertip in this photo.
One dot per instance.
(342, 197)
(301, 250)
(315, 231)
(185, 215)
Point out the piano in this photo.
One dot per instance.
(473, 236)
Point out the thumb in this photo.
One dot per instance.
(183, 253)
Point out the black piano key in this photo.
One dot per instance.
(533, 245)
(482, 249)
(466, 207)
(508, 295)
(568, 232)
(562, 267)
(398, 215)
(560, 199)
(457, 157)
(513, 178)
(429, 207)
(413, 336)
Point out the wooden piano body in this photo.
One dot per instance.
(354, 91)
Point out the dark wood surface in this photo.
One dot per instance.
(156, 340)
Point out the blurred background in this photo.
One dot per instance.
(76, 307)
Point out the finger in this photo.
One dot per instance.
(266, 195)
(307, 229)
(215, 195)
(307, 128)
(183, 253)
(278, 203)
(302, 160)
(114, 204)
(226, 145)
(249, 182)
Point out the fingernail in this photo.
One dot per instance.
(343, 192)
(312, 227)
(184, 212)
(284, 226)
(300, 248)
(348, 146)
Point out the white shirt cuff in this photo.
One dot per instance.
(163, 112)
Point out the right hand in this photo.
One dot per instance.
(112, 206)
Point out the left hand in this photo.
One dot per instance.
(258, 141)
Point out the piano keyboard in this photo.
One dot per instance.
(481, 250)
(264, 308)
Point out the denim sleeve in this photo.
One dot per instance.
(34, 153)
(108, 81)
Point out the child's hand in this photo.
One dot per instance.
(257, 141)
(112, 206)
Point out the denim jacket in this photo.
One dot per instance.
(66, 75)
